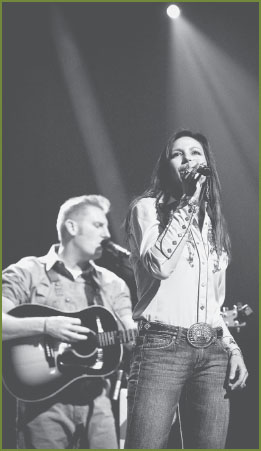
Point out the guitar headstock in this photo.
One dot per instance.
(236, 317)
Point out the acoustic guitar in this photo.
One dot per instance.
(36, 368)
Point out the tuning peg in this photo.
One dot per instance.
(224, 311)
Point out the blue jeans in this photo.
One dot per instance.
(163, 366)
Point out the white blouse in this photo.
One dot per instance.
(180, 279)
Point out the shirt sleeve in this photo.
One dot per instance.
(16, 282)
(116, 297)
(122, 304)
(159, 248)
(228, 340)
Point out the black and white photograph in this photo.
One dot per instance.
(130, 183)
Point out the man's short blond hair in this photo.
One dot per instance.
(71, 207)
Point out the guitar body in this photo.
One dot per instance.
(36, 368)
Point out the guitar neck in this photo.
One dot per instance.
(116, 336)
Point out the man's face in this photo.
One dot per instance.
(91, 231)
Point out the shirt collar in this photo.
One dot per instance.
(52, 257)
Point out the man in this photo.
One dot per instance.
(67, 279)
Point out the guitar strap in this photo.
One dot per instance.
(92, 286)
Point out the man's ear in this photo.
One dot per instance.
(71, 227)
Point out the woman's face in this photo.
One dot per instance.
(186, 152)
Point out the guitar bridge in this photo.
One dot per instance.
(49, 352)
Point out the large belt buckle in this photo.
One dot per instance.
(201, 335)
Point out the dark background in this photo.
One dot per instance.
(147, 76)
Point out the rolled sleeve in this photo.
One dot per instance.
(16, 282)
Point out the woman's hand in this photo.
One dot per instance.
(238, 373)
(192, 181)
(65, 328)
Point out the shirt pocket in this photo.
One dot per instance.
(41, 295)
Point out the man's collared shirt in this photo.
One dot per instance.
(27, 281)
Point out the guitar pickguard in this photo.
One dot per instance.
(99, 359)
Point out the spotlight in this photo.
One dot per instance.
(173, 11)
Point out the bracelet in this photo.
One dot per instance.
(238, 350)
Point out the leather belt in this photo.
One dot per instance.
(147, 326)
(199, 335)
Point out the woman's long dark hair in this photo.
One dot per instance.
(161, 186)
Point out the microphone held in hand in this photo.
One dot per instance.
(204, 170)
(115, 249)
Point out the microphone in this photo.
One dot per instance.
(204, 170)
(115, 249)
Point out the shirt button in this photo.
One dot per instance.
(186, 219)
(202, 307)
(169, 251)
(174, 242)
(203, 263)
(180, 234)
(203, 284)
(67, 300)
(183, 227)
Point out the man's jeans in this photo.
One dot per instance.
(163, 365)
(61, 426)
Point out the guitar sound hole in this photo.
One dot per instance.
(85, 348)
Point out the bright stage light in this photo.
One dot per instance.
(173, 11)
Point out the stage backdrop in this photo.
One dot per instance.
(91, 92)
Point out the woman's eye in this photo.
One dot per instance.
(196, 152)
(175, 154)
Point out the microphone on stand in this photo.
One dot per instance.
(115, 249)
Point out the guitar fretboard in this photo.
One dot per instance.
(116, 336)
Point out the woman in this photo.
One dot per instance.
(180, 249)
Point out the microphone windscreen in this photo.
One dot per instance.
(204, 170)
